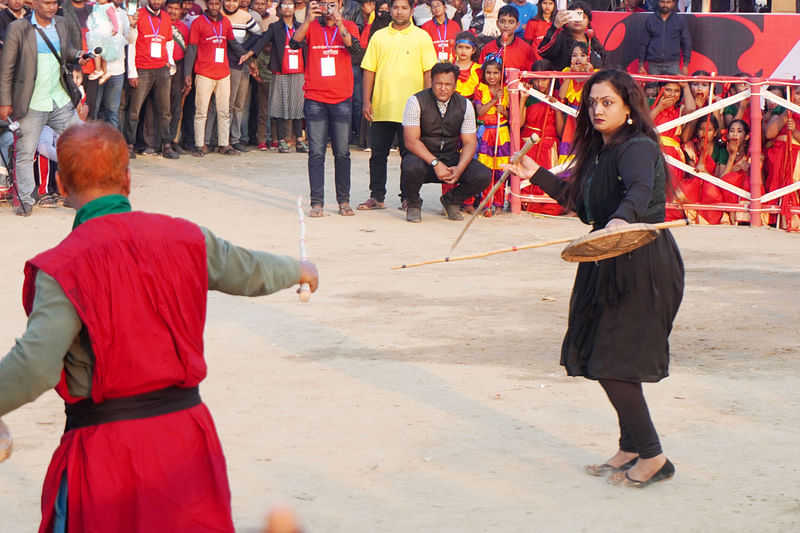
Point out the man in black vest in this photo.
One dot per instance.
(434, 121)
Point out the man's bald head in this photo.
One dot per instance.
(92, 156)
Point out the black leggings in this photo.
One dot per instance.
(637, 433)
(297, 126)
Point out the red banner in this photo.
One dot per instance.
(765, 45)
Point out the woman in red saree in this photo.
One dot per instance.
(548, 123)
(668, 107)
(782, 159)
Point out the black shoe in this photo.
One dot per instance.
(168, 153)
(239, 147)
(453, 211)
(178, 148)
(131, 153)
(414, 214)
(23, 210)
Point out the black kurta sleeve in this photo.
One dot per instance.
(636, 165)
(554, 186)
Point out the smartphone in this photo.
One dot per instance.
(574, 15)
(132, 6)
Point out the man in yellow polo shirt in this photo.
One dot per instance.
(397, 64)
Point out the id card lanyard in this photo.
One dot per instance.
(443, 54)
(293, 57)
(219, 52)
(155, 46)
(328, 62)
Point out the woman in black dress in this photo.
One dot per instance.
(621, 309)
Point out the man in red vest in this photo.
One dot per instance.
(116, 316)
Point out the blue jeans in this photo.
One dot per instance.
(324, 121)
(357, 96)
(31, 127)
(663, 68)
(108, 97)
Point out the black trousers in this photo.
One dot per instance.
(637, 433)
(150, 120)
(382, 136)
(157, 80)
(414, 172)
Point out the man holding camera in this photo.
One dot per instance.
(332, 43)
(31, 90)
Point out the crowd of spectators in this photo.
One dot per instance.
(227, 76)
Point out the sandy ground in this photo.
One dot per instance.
(431, 399)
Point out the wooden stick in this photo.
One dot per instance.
(514, 159)
(305, 289)
(661, 225)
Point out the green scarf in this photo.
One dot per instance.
(105, 205)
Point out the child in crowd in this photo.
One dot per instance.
(570, 94)
(537, 27)
(740, 110)
(783, 157)
(514, 52)
(674, 99)
(548, 124)
(442, 31)
(103, 28)
(734, 168)
(703, 153)
(701, 92)
(494, 140)
(469, 71)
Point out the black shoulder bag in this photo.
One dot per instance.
(67, 82)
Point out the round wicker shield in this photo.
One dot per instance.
(607, 243)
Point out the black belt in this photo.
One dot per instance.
(155, 403)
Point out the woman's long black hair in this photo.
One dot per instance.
(588, 141)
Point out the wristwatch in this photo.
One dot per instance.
(434, 162)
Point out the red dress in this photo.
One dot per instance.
(671, 145)
(783, 168)
(540, 119)
(535, 31)
(123, 274)
(443, 37)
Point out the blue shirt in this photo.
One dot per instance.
(526, 13)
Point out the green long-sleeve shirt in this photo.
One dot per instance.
(56, 339)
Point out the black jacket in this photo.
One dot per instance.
(276, 35)
(556, 46)
(663, 41)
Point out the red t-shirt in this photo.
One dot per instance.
(211, 38)
(518, 54)
(151, 41)
(535, 31)
(178, 53)
(329, 71)
(443, 37)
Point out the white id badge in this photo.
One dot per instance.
(444, 56)
(294, 61)
(219, 55)
(155, 49)
(328, 67)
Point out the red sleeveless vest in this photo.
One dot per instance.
(138, 281)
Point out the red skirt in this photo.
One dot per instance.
(163, 473)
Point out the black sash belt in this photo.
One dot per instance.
(155, 403)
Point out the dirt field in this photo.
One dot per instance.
(431, 399)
